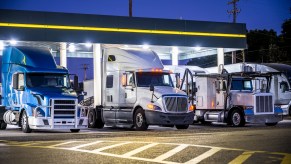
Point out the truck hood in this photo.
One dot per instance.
(163, 90)
(54, 92)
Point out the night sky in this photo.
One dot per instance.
(257, 14)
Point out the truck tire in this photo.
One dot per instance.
(99, 124)
(289, 111)
(182, 126)
(3, 125)
(74, 130)
(24, 123)
(271, 124)
(237, 119)
(140, 120)
(92, 119)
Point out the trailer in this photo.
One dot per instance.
(136, 92)
(231, 98)
(36, 93)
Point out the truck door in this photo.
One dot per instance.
(110, 108)
(18, 86)
(130, 89)
(123, 114)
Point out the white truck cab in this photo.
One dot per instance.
(138, 92)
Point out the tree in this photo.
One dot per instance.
(263, 47)
(285, 37)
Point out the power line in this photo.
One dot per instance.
(130, 8)
(234, 10)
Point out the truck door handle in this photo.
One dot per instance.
(125, 95)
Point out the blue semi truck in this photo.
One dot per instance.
(37, 93)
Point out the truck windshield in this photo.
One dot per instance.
(145, 79)
(241, 84)
(47, 80)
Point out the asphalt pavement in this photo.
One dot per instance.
(217, 143)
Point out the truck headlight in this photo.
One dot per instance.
(37, 112)
(153, 107)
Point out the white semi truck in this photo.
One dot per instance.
(136, 92)
(279, 85)
(230, 97)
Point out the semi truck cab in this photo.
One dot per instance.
(232, 99)
(138, 93)
(36, 93)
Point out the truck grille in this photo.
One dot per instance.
(264, 104)
(63, 108)
(176, 104)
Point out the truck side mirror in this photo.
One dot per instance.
(152, 88)
(21, 88)
(194, 90)
(217, 85)
(83, 93)
(177, 75)
(76, 82)
(123, 79)
(15, 81)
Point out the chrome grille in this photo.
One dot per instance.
(176, 104)
(63, 108)
(264, 104)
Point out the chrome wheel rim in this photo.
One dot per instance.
(236, 119)
(139, 119)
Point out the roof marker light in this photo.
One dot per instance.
(13, 42)
(145, 46)
(72, 48)
(197, 48)
(88, 45)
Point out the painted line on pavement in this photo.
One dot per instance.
(111, 146)
(63, 143)
(161, 159)
(138, 150)
(171, 152)
(84, 145)
(203, 156)
(286, 159)
(242, 158)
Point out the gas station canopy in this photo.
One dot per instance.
(82, 28)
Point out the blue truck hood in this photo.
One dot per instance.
(54, 92)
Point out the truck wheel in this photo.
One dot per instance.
(289, 111)
(182, 126)
(24, 123)
(99, 124)
(237, 119)
(92, 119)
(271, 124)
(74, 130)
(140, 120)
(3, 125)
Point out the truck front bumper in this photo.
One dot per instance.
(250, 117)
(268, 118)
(285, 109)
(49, 123)
(160, 118)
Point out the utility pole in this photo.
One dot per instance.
(130, 8)
(85, 67)
(233, 12)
